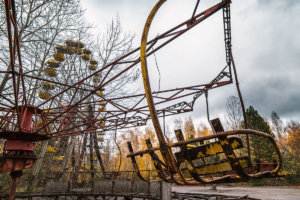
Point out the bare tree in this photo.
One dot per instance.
(112, 44)
(178, 123)
(42, 24)
(277, 125)
(234, 117)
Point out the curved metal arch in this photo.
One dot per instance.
(165, 149)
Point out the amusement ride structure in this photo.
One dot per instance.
(66, 109)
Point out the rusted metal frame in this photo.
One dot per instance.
(36, 120)
(138, 102)
(129, 125)
(91, 144)
(195, 9)
(15, 178)
(116, 105)
(134, 163)
(242, 103)
(123, 71)
(107, 118)
(88, 85)
(174, 107)
(109, 70)
(174, 94)
(69, 108)
(188, 94)
(14, 22)
(143, 95)
(8, 5)
(53, 134)
(120, 154)
(65, 117)
(6, 100)
(62, 123)
(23, 114)
(219, 77)
(204, 14)
(96, 147)
(4, 117)
(125, 62)
(138, 111)
(227, 33)
(7, 122)
(157, 163)
(10, 118)
(5, 72)
(47, 128)
(55, 82)
(163, 91)
(88, 95)
(171, 31)
(224, 134)
(141, 122)
(174, 112)
(126, 120)
(76, 126)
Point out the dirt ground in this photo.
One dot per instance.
(264, 193)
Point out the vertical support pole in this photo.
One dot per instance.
(161, 190)
(92, 161)
(242, 103)
(15, 176)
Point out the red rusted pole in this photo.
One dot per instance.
(16, 175)
(242, 104)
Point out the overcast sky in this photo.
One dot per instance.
(266, 48)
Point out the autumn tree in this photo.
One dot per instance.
(189, 129)
(293, 131)
(293, 142)
(203, 130)
(289, 144)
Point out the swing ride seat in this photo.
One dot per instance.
(213, 149)
(203, 164)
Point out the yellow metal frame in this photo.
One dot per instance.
(166, 150)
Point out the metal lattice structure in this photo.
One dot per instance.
(81, 107)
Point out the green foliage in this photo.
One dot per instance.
(256, 122)
(261, 147)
